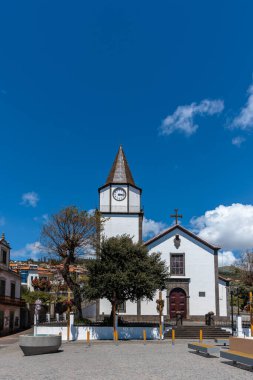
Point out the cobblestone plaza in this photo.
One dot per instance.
(128, 360)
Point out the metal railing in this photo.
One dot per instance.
(124, 209)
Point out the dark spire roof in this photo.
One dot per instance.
(120, 172)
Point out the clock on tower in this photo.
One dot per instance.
(120, 201)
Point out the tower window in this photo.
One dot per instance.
(4, 256)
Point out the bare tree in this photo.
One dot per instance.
(70, 234)
(247, 269)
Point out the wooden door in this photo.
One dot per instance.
(177, 302)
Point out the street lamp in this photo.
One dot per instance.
(238, 306)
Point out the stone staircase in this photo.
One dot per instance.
(192, 332)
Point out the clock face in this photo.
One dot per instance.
(119, 194)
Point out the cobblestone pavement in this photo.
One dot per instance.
(128, 360)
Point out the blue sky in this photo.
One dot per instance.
(171, 82)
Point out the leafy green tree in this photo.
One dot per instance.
(124, 271)
(68, 235)
(31, 297)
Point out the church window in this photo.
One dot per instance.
(177, 267)
(202, 294)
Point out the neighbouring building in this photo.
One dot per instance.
(10, 302)
(194, 288)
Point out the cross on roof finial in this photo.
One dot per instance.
(176, 216)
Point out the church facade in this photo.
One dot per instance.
(194, 287)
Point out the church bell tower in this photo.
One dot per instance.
(120, 201)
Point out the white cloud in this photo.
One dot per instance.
(31, 250)
(2, 221)
(152, 228)
(182, 120)
(244, 120)
(42, 219)
(30, 199)
(227, 258)
(230, 227)
(238, 140)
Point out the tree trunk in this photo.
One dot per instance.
(75, 288)
(114, 315)
(114, 304)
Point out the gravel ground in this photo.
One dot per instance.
(128, 360)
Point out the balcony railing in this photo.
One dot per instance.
(123, 209)
(6, 300)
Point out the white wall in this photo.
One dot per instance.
(104, 199)
(32, 274)
(223, 298)
(149, 307)
(105, 307)
(100, 333)
(199, 268)
(134, 199)
(121, 224)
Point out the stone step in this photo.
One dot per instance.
(192, 332)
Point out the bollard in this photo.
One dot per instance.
(68, 328)
(35, 325)
(173, 336)
(116, 337)
(88, 338)
(161, 331)
(144, 336)
(200, 335)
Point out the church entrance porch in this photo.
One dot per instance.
(177, 298)
(177, 301)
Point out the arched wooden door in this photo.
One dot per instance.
(177, 302)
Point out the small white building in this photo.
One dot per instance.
(10, 302)
(194, 288)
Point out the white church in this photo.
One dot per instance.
(194, 287)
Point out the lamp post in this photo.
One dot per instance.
(232, 311)
(238, 306)
(68, 326)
